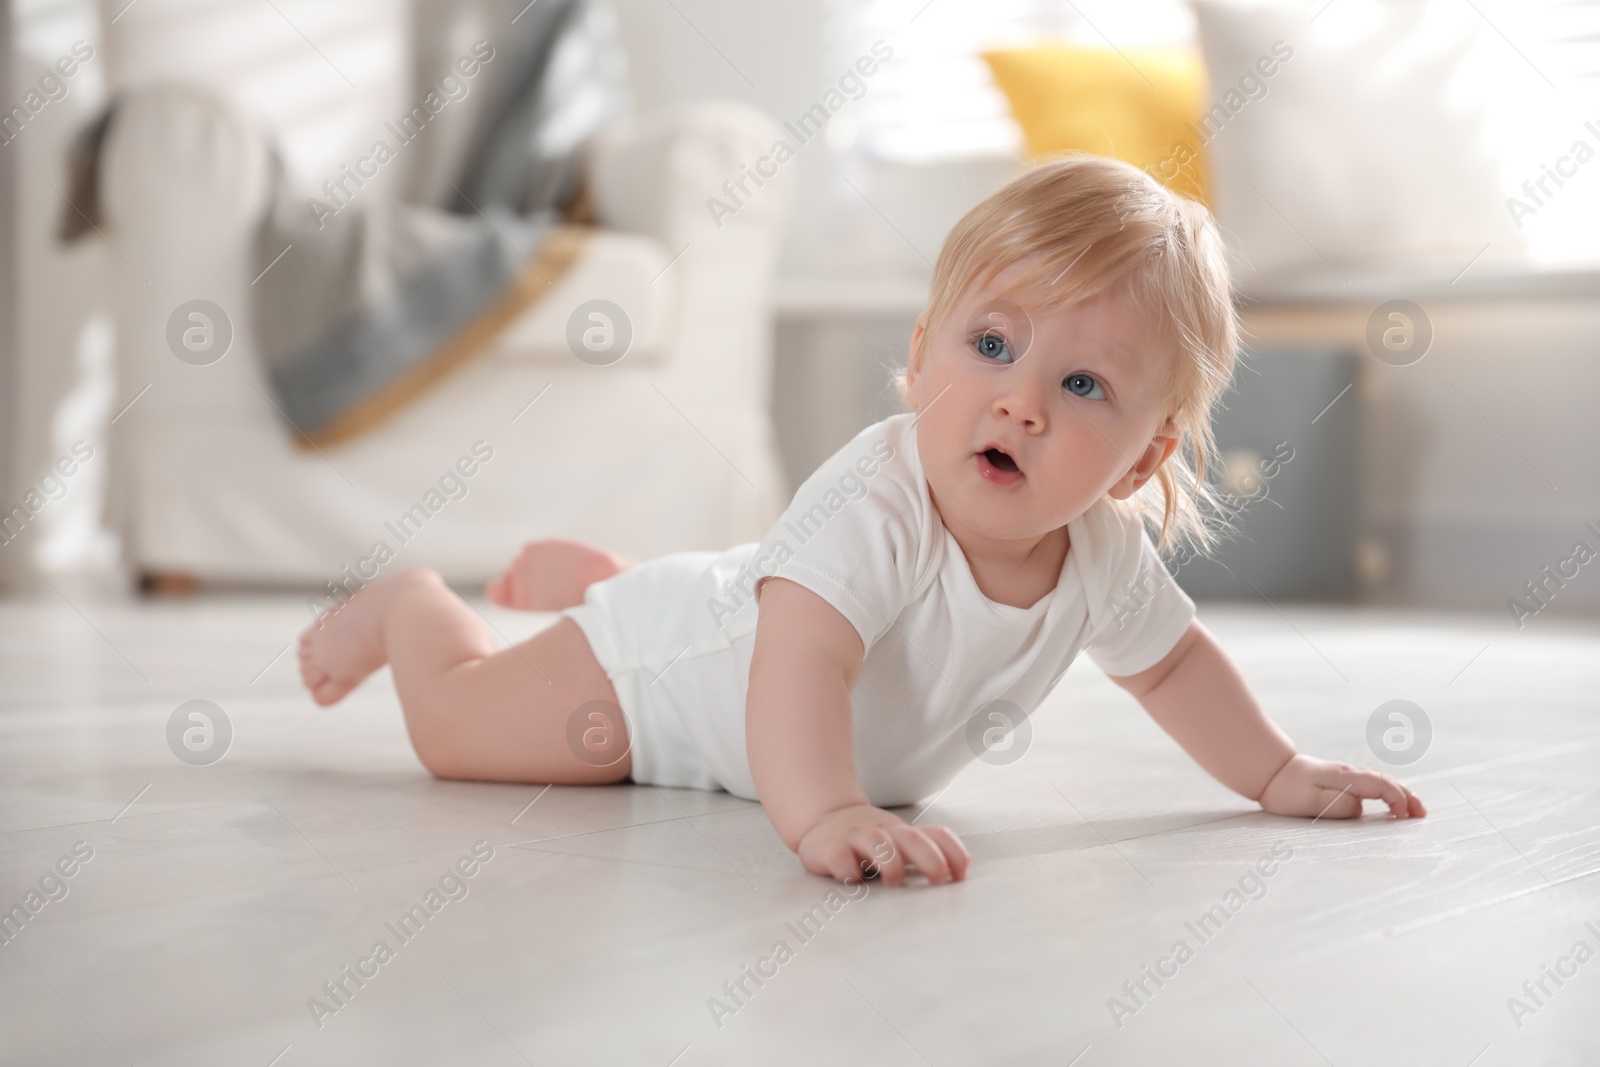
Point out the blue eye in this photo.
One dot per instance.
(1083, 385)
(993, 346)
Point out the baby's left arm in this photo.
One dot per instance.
(1197, 695)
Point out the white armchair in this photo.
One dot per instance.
(671, 448)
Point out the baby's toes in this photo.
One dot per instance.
(329, 691)
(517, 592)
(311, 675)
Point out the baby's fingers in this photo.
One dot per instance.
(1368, 784)
(927, 856)
(841, 862)
(1337, 804)
(880, 856)
(955, 853)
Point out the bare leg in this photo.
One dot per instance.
(552, 574)
(473, 712)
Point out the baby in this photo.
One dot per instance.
(929, 584)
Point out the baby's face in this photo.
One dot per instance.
(1028, 415)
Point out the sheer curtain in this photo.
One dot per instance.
(937, 101)
(1553, 46)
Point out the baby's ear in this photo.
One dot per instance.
(1157, 452)
(913, 360)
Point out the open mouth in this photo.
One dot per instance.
(1000, 460)
(997, 467)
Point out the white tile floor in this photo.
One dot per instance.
(219, 899)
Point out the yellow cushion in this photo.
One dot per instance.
(1094, 100)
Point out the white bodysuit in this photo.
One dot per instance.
(675, 634)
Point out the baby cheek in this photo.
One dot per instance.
(1109, 445)
(1081, 466)
(1069, 491)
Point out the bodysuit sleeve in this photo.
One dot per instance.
(856, 533)
(1144, 611)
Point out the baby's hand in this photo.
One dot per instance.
(863, 837)
(1311, 788)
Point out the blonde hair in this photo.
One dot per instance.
(1089, 223)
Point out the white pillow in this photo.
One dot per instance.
(1364, 148)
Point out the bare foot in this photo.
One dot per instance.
(551, 575)
(339, 650)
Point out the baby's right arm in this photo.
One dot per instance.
(798, 735)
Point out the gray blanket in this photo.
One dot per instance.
(363, 301)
